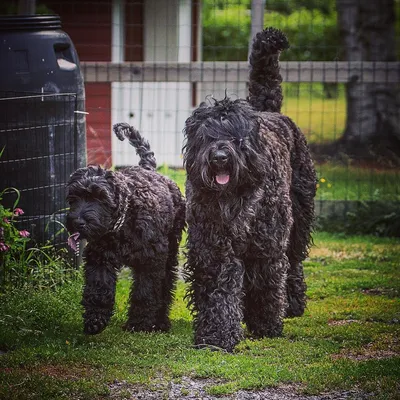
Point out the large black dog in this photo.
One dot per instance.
(250, 203)
(132, 217)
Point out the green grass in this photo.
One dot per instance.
(321, 119)
(338, 182)
(177, 175)
(347, 338)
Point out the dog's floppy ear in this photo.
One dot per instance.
(191, 126)
(111, 180)
(199, 115)
(76, 176)
(118, 188)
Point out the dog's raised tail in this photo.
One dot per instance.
(142, 146)
(265, 91)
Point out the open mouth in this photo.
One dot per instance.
(222, 179)
(73, 241)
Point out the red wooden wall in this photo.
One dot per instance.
(89, 26)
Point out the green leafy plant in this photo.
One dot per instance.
(24, 262)
(12, 240)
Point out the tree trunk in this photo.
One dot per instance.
(368, 34)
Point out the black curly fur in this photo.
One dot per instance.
(132, 217)
(250, 190)
(265, 91)
(147, 160)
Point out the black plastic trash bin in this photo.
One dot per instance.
(42, 120)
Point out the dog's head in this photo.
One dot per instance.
(223, 146)
(93, 203)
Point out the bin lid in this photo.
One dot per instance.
(29, 22)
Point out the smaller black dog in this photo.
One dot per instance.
(133, 217)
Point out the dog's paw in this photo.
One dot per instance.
(292, 312)
(295, 307)
(224, 343)
(206, 346)
(94, 324)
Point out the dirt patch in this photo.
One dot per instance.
(67, 372)
(318, 253)
(196, 389)
(387, 346)
(72, 372)
(343, 322)
(389, 292)
(365, 356)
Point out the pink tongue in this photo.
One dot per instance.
(73, 241)
(222, 179)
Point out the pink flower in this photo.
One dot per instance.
(18, 211)
(3, 247)
(6, 220)
(24, 233)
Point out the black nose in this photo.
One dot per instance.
(79, 224)
(220, 157)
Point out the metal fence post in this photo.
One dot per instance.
(257, 19)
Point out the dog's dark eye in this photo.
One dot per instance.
(71, 200)
(240, 142)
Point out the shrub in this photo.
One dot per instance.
(378, 218)
(313, 33)
(226, 33)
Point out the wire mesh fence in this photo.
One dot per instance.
(153, 97)
(38, 138)
(151, 63)
(156, 61)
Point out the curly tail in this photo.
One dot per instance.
(265, 91)
(142, 146)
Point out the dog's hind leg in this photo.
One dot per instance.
(169, 283)
(296, 285)
(99, 293)
(297, 252)
(299, 241)
(168, 289)
(302, 195)
(303, 191)
(147, 298)
(265, 296)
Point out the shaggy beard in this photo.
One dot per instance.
(98, 219)
(202, 173)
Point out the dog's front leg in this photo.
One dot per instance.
(98, 293)
(265, 299)
(216, 290)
